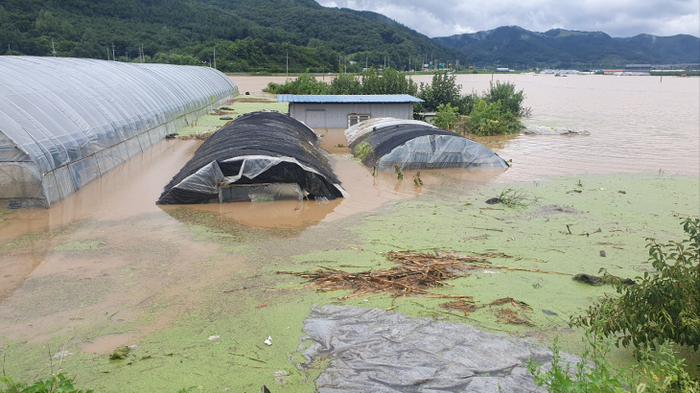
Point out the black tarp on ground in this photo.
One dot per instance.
(421, 146)
(260, 152)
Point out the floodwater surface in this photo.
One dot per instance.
(107, 267)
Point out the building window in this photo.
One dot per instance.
(354, 118)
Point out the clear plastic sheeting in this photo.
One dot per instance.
(373, 350)
(366, 126)
(411, 144)
(65, 122)
(260, 156)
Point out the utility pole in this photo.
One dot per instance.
(53, 48)
(113, 57)
(287, 63)
(214, 57)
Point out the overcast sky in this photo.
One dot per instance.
(618, 18)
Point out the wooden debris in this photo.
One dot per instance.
(415, 273)
(464, 305)
(199, 137)
(510, 300)
(510, 316)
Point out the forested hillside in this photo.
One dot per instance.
(249, 35)
(514, 47)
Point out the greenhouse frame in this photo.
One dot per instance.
(65, 122)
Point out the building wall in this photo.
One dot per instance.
(317, 115)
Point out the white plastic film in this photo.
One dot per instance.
(56, 112)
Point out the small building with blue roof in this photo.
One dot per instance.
(343, 111)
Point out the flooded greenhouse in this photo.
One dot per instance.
(261, 156)
(65, 122)
(386, 144)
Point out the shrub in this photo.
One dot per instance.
(592, 374)
(56, 384)
(489, 118)
(362, 150)
(662, 306)
(657, 371)
(304, 84)
(511, 101)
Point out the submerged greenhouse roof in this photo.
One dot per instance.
(260, 156)
(385, 144)
(65, 122)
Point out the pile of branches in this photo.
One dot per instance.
(415, 273)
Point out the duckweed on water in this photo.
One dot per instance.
(3, 213)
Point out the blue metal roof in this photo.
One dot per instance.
(348, 99)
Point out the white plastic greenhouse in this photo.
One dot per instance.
(65, 122)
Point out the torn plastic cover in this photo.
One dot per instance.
(257, 148)
(417, 145)
(359, 129)
(373, 350)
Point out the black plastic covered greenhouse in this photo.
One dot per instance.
(261, 156)
(386, 143)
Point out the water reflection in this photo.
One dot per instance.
(283, 213)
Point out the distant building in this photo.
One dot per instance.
(637, 68)
(613, 71)
(343, 111)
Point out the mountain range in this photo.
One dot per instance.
(515, 47)
(298, 36)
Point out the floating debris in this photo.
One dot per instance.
(510, 316)
(120, 353)
(61, 355)
(416, 273)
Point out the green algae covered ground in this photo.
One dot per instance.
(239, 106)
(216, 340)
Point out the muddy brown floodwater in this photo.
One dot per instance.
(150, 267)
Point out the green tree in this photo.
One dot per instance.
(442, 90)
(345, 84)
(446, 116)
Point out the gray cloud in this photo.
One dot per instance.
(618, 18)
